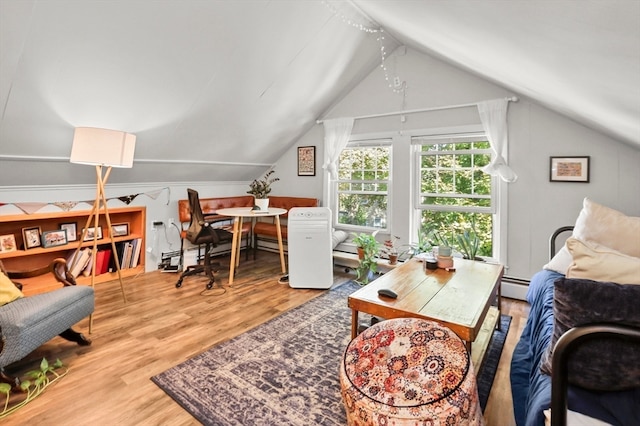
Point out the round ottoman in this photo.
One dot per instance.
(409, 371)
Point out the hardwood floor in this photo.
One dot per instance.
(161, 326)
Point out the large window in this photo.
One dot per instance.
(363, 185)
(453, 194)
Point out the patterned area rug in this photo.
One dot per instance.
(283, 372)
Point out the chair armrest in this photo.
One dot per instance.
(60, 270)
(566, 344)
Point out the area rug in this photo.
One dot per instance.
(283, 372)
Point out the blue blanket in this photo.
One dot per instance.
(531, 389)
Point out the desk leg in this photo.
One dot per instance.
(234, 245)
(280, 246)
(354, 323)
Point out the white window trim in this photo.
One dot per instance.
(368, 140)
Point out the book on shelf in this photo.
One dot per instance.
(126, 256)
(137, 245)
(87, 270)
(78, 260)
(102, 261)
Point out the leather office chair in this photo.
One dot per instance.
(201, 232)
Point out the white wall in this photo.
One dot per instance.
(536, 206)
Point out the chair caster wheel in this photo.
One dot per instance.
(179, 284)
(209, 286)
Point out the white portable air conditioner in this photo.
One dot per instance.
(309, 246)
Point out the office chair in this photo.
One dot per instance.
(201, 232)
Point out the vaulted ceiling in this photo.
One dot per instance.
(226, 87)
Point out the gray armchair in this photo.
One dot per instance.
(28, 322)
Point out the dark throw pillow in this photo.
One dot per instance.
(606, 364)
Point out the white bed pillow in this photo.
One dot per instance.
(604, 226)
(599, 263)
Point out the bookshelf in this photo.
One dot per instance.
(25, 259)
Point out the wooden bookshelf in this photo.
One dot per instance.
(24, 259)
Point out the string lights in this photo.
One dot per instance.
(395, 84)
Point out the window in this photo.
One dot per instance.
(363, 185)
(453, 194)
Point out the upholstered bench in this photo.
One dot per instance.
(265, 227)
(409, 371)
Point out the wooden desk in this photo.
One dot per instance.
(459, 300)
(238, 213)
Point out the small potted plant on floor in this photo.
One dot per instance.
(368, 250)
(260, 189)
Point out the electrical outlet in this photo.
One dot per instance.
(170, 221)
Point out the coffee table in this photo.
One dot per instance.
(459, 299)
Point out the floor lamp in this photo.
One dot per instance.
(103, 149)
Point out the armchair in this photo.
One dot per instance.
(28, 322)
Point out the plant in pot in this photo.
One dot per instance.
(391, 249)
(260, 189)
(469, 243)
(368, 249)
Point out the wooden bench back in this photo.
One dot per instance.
(211, 205)
(289, 202)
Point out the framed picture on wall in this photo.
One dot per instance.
(306, 161)
(569, 169)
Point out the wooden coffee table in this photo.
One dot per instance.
(460, 300)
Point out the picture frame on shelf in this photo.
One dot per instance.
(569, 169)
(8, 243)
(54, 238)
(306, 161)
(119, 229)
(31, 237)
(91, 232)
(72, 231)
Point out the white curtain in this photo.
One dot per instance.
(336, 136)
(493, 115)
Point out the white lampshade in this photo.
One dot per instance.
(103, 147)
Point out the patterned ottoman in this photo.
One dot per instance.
(409, 371)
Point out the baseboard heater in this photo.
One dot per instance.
(514, 287)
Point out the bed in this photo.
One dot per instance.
(583, 327)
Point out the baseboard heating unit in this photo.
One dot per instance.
(309, 241)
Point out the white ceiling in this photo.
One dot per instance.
(235, 83)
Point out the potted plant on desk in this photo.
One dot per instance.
(260, 189)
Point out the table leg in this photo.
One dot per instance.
(354, 323)
(498, 326)
(280, 246)
(234, 245)
(239, 244)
